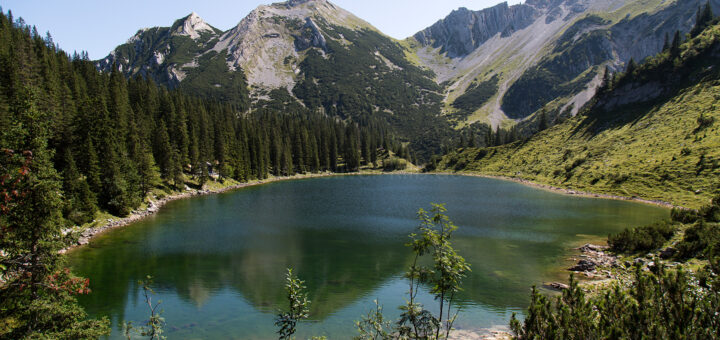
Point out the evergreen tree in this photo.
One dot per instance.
(80, 202)
(36, 301)
(703, 19)
(675, 45)
(631, 67)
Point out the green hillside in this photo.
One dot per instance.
(651, 133)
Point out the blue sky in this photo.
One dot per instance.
(97, 26)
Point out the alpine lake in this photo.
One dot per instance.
(219, 261)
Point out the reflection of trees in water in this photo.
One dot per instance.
(337, 271)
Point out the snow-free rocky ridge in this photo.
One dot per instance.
(541, 55)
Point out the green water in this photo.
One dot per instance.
(219, 261)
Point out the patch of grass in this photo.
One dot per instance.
(656, 156)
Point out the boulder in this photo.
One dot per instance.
(557, 286)
(584, 266)
(667, 253)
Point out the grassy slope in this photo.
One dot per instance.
(659, 154)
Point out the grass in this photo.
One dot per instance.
(659, 156)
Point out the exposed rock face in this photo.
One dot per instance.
(192, 26)
(310, 37)
(464, 30)
(263, 40)
(546, 50)
(151, 51)
(260, 44)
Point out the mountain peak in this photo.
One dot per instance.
(192, 25)
(294, 3)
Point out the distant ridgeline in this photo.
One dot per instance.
(113, 140)
(651, 131)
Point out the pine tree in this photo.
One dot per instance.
(666, 44)
(703, 19)
(675, 45)
(34, 303)
(631, 67)
(80, 202)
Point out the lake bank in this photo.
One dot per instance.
(220, 255)
(566, 191)
(86, 235)
(154, 205)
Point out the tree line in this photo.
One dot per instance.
(113, 140)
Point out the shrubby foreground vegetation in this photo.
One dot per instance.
(656, 302)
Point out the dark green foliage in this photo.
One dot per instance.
(711, 212)
(226, 86)
(117, 140)
(701, 240)
(705, 121)
(703, 19)
(394, 164)
(476, 96)
(661, 305)
(37, 293)
(642, 239)
(684, 215)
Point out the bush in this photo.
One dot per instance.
(701, 240)
(641, 239)
(394, 164)
(659, 305)
(705, 121)
(711, 213)
(685, 216)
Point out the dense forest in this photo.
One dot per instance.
(113, 140)
(75, 141)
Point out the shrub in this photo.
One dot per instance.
(701, 240)
(640, 239)
(394, 164)
(685, 216)
(663, 304)
(705, 121)
(711, 213)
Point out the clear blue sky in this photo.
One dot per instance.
(97, 26)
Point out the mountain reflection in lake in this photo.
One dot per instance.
(219, 261)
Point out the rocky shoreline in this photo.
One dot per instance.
(154, 205)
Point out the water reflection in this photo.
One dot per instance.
(219, 261)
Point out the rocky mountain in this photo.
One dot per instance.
(651, 132)
(307, 52)
(508, 62)
(497, 66)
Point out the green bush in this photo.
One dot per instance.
(685, 216)
(711, 213)
(661, 305)
(701, 240)
(394, 164)
(646, 238)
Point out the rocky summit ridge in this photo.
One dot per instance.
(500, 66)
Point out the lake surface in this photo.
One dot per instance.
(219, 261)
